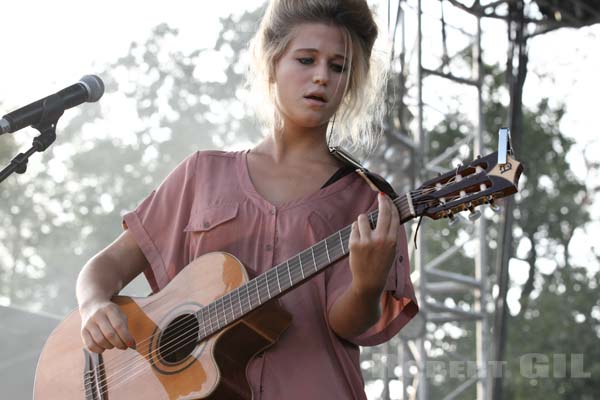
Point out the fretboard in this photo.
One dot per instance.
(285, 276)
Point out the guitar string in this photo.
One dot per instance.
(267, 284)
(174, 342)
(219, 321)
(191, 333)
(219, 318)
(320, 255)
(225, 313)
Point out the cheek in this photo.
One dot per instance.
(339, 87)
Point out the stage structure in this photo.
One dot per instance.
(436, 63)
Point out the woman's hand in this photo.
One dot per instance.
(372, 251)
(104, 326)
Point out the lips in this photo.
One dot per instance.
(316, 97)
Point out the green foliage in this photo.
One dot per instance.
(560, 323)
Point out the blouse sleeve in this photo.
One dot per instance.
(158, 223)
(398, 302)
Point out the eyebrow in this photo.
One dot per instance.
(310, 50)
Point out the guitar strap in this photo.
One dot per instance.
(374, 181)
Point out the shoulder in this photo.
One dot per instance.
(200, 160)
(216, 156)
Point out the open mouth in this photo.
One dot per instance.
(316, 98)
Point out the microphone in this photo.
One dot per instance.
(89, 89)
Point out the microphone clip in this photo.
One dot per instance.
(53, 109)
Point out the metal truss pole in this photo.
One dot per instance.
(419, 163)
(481, 259)
(433, 311)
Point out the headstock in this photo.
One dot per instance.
(468, 186)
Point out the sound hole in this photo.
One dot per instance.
(179, 339)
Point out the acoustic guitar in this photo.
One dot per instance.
(195, 337)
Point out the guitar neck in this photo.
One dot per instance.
(287, 275)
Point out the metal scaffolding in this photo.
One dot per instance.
(407, 130)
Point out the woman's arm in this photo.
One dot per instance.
(103, 324)
(372, 253)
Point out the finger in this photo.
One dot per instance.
(364, 227)
(354, 233)
(395, 221)
(108, 331)
(119, 322)
(385, 212)
(98, 336)
(89, 342)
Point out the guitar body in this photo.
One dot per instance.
(215, 368)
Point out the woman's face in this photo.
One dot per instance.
(311, 75)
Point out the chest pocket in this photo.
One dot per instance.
(213, 228)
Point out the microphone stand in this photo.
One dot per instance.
(53, 109)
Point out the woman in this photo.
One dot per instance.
(312, 60)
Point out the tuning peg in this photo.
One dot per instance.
(495, 208)
(474, 215)
(453, 219)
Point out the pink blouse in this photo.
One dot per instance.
(208, 203)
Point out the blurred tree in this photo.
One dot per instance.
(562, 326)
(552, 203)
(160, 106)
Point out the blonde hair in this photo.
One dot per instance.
(361, 112)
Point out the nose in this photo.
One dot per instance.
(320, 75)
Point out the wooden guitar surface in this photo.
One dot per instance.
(215, 368)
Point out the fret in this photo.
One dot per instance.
(257, 290)
(294, 270)
(327, 251)
(248, 295)
(223, 307)
(305, 259)
(290, 275)
(283, 272)
(312, 252)
(267, 283)
(203, 320)
(277, 276)
(333, 247)
(341, 241)
(301, 267)
(212, 329)
(240, 300)
(231, 306)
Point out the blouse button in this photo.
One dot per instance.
(268, 247)
(272, 212)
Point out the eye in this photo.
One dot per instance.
(305, 60)
(339, 68)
